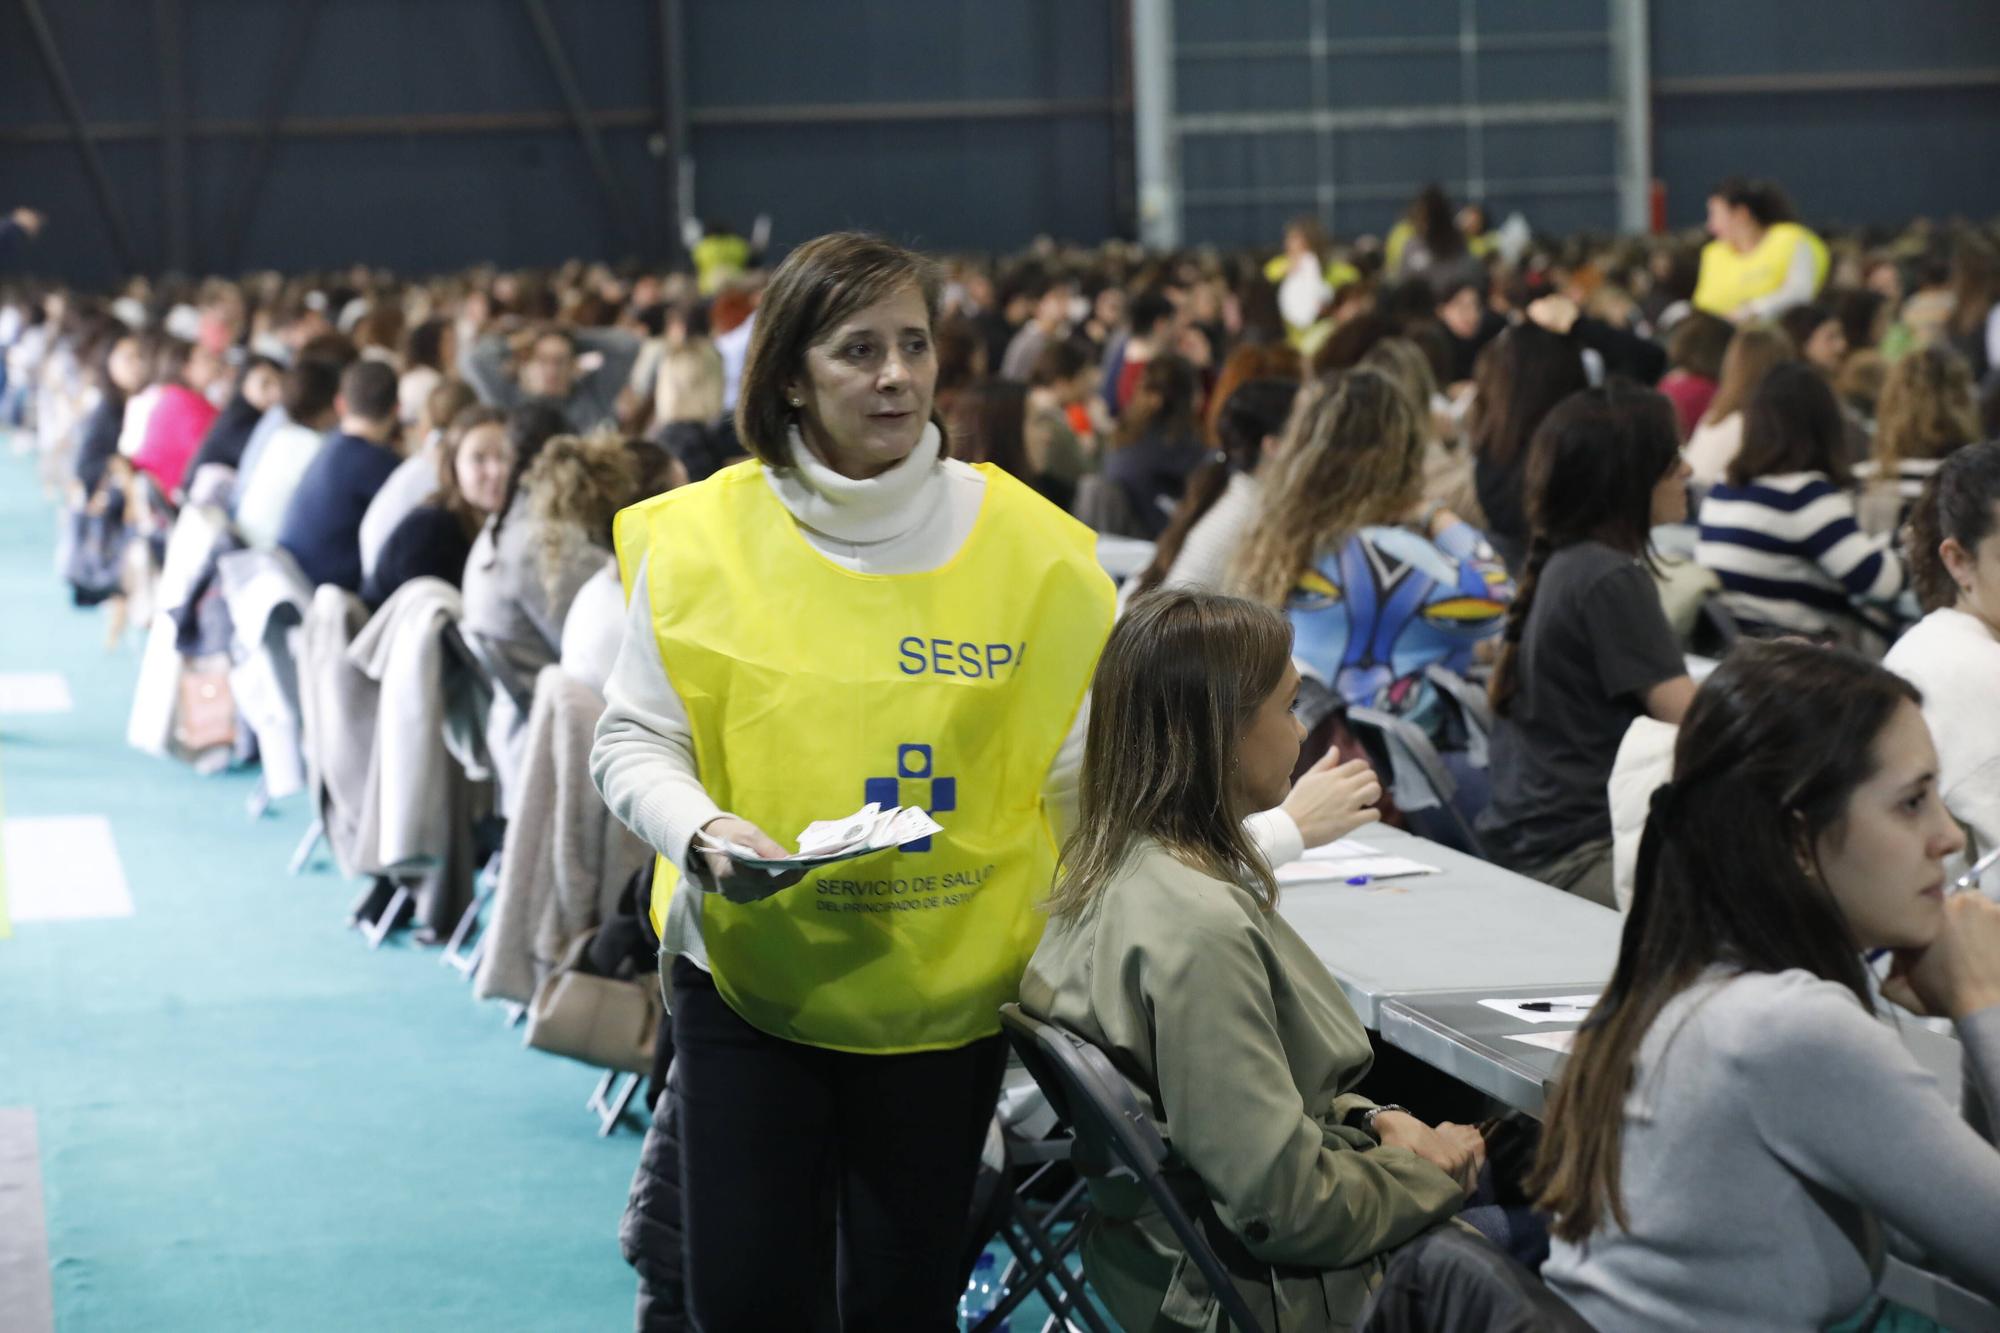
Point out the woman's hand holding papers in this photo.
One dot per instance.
(739, 883)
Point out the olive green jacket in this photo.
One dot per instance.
(1243, 1048)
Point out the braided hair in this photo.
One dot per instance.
(1592, 467)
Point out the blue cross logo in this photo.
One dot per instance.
(913, 763)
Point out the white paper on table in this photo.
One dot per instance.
(1566, 1008)
(1348, 859)
(1548, 1041)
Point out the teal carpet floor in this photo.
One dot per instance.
(247, 1120)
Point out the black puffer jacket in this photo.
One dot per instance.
(650, 1232)
(1455, 1282)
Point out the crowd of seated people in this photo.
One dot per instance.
(1455, 452)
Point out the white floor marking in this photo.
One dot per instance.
(63, 868)
(34, 692)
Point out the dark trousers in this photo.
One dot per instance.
(813, 1180)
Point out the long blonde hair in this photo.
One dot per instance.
(1182, 675)
(1352, 455)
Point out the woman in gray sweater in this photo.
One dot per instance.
(1737, 1130)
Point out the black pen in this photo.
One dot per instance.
(1550, 1006)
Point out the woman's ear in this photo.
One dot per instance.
(1958, 562)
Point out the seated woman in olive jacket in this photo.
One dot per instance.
(1164, 950)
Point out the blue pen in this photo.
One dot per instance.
(1969, 880)
(1360, 879)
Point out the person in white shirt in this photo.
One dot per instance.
(265, 490)
(1953, 653)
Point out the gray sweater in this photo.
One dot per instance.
(1772, 1130)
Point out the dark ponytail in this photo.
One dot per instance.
(1506, 681)
(1957, 502)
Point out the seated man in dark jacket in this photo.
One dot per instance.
(322, 527)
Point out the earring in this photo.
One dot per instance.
(796, 402)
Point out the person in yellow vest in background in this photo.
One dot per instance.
(851, 616)
(1761, 262)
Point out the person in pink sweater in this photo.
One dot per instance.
(182, 416)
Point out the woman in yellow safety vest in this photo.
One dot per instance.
(1761, 262)
(851, 616)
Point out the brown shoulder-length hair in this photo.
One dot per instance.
(1181, 677)
(1749, 357)
(449, 496)
(1766, 763)
(823, 282)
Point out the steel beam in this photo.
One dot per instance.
(677, 165)
(1829, 81)
(86, 146)
(1396, 118)
(1124, 166)
(284, 76)
(344, 127)
(581, 118)
(873, 113)
(1336, 47)
(170, 37)
(1395, 192)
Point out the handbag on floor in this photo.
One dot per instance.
(205, 712)
(606, 1022)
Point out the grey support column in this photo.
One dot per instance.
(1631, 89)
(1153, 122)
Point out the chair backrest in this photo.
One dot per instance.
(1418, 779)
(1452, 1282)
(1715, 629)
(1417, 773)
(1470, 705)
(1115, 1137)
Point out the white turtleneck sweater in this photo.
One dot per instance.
(908, 520)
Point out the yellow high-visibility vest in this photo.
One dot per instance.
(1729, 278)
(812, 689)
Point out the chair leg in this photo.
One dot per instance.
(1051, 1268)
(1043, 1263)
(610, 1111)
(378, 930)
(308, 845)
(259, 803)
(455, 953)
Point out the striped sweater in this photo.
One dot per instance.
(1792, 559)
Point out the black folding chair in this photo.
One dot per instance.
(1027, 1223)
(1114, 1137)
(1417, 776)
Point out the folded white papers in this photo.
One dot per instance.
(1348, 859)
(825, 841)
(1548, 1041)
(1560, 1008)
